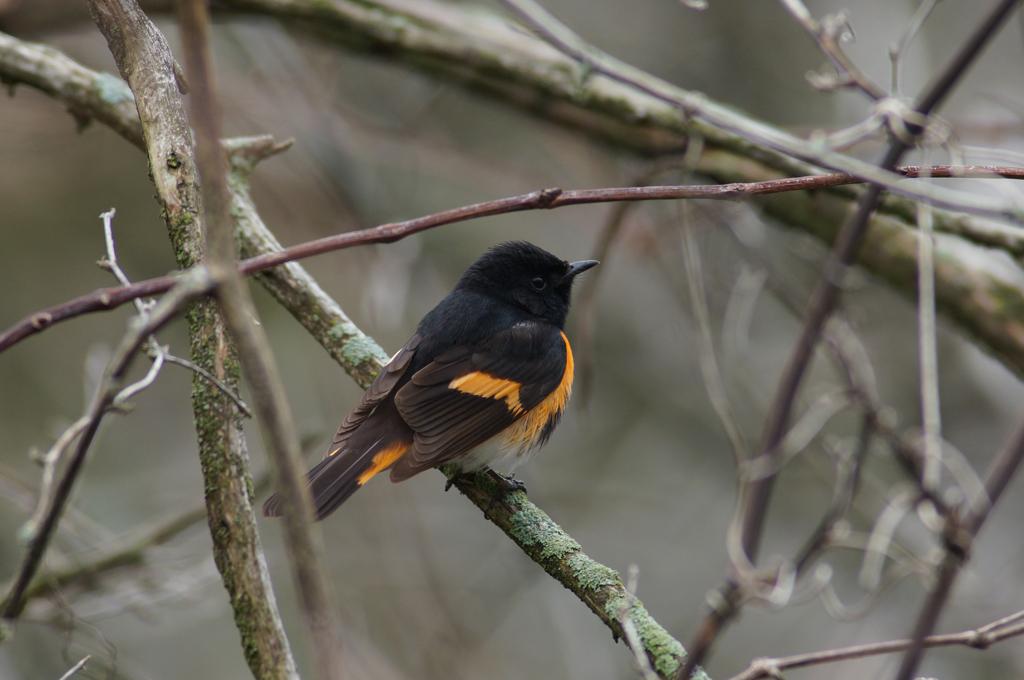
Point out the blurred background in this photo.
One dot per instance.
(639, 472)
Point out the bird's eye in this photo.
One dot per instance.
(538, 283)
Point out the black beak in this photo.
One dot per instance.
(578, 267)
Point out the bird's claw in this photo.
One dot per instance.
(512, 484)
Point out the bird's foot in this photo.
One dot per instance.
(508, 485)
(511, 484)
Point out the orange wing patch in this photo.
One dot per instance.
(482, 384)
(382, 460)
(526, 430)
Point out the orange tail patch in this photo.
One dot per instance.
(382, 460)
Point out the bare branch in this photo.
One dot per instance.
(898, 50)
(928, 360)
(977, 638)
(959, 536)
(828, 33)
(544, 199)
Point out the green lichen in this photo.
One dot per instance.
(665, 652)
(591, 575)
(355, 348)
(531, 527)
(112, 90)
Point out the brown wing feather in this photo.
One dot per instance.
(468, 395)
(446, 423)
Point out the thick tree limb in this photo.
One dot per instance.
(146, 63)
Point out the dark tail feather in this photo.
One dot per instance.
(331, 482)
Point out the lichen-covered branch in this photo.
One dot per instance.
(88, 94)
(146, 63)
(596, 585)
(290, 283)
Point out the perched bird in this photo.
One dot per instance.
(490, 359)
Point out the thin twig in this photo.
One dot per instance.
(928, 360)
(898, 50)
(106, 397)
(77, 667)
(828, 33)
(976, 638)
(544, 199)
(959, 536)
(629, 631)
(212, 379)
(154, 349)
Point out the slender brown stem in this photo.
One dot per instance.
(959, 537)
(545, 199)
(981, 637)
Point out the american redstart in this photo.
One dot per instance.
(490, 359)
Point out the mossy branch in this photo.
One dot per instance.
(146, 63)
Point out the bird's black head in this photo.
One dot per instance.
(526, 277)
